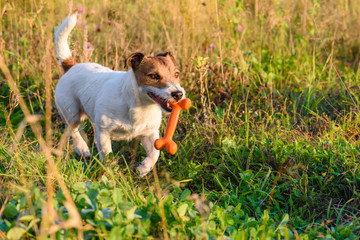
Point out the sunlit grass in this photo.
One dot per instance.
(269, 149)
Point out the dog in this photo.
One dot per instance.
(121, 105)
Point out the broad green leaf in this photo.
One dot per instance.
(104, 193)
(168, 200)
(111, 183)
(92, 193)
(117, 196)
(104, 179)
(182, 209)
(229, 220)
(80, 187)
(116, 233)
(283, 222)
(185, 194)
(104, 197)
(124, 205)
(130, 214)
(238, 210)
(211, 225)
(265, 216)
(15, 233)
(32, 223)
(84, 200)
(27, 218)
(130, 229)
(99, 215)
(10, 211)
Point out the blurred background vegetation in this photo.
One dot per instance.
(270, 148)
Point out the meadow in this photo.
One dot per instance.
(269, 149)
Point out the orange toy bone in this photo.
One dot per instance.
(167, 141)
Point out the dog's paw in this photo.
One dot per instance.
(143, 170)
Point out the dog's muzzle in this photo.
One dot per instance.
(161, 101)
(177, 95)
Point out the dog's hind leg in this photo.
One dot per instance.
(81, 147)
(148, 143)
(72, 117)
(103, 142)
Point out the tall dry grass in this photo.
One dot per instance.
(212, 50)
(187, 28)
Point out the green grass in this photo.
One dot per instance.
(269, 150)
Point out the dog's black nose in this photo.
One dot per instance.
(177, 95)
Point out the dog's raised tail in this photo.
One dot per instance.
(62, 46)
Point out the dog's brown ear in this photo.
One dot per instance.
(134, 60)
(167, 54)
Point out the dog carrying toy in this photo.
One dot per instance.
(166, 141)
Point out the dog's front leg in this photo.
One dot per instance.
(103, 142)
(148, 143)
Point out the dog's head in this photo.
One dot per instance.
(157, 78)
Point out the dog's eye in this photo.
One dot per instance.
(177, 75)
(154, 76)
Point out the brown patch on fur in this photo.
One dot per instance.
(169, 55)
(134, 60)
(68, 63)
(163, 64)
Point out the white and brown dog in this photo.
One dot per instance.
(121, 105)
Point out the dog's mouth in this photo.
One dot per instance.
(162, 102)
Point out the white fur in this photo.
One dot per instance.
(61, 36)
(108, 99)
(112, 100)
